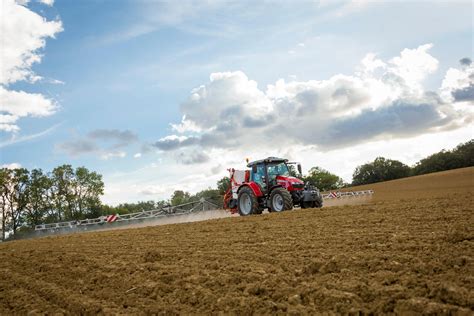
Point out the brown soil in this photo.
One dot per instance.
(410, 250)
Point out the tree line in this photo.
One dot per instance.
(382, 169)
(29, 198)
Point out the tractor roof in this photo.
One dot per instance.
(266, 160)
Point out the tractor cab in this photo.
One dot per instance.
(271, 172)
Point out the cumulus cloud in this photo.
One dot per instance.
(399, 118)
(383, 99)
(18, 104)
(24, 34)
(153, 190)
(11, 166)
(458, 84)
(194, 157)
(174, 142)
(465, 61)
(113, 154)
(78, 147)
(105, 143)
(464, 94)
(413, 65)
(120, 138)
(232, 93)
(47, 2)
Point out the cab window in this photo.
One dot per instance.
(258, 175)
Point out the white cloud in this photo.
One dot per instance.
(413, 65)
(15, 139)
(18, 104)
(383, 100)
(12, 166)
(227, 95)
(458, 84)
(153, 190)
(23, 34)
(369, 63)
(158, 14)
(137, 155)
(113, 154)
(341, 8)
(47, 2)
(186, 126)
(104, 143)
(56, 81)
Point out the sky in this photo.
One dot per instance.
(164, 95)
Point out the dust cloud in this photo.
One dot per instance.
(176, 219)
(353, 200)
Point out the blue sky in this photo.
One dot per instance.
(329, 83)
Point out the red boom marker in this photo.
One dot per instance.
(111, 218)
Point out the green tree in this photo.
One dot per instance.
(323, 179)
(39, 202)
(211, 195)
(76, 193)
(179, 197)
(143, 206)
(5, 187)
(87, 187)
(62, 191)
(380, 169)
(126, 208)
(465, 153)
(17, 197)
(223, 185)
(461, 156)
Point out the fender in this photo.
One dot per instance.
(275, 186)
(253, 186)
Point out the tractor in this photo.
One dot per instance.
(269, 184)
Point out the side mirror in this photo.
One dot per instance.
(299, 169)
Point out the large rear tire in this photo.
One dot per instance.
(247, 203)
(280, 200)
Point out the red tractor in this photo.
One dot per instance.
(269, 184)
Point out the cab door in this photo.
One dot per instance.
(258, 176)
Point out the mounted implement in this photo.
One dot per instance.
(271, 184)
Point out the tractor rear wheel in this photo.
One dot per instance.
(280, 200)
(247, 202)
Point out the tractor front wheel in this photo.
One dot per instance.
(307, 204)
(280, 200)
(247, 203)
(311, 204)
(318, 203)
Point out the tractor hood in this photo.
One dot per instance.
(290, 183)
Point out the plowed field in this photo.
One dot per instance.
(410, 249)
